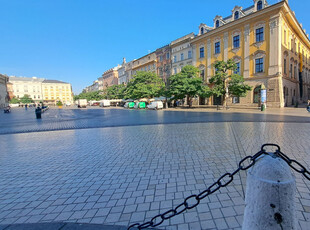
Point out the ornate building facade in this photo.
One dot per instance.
(268, 44)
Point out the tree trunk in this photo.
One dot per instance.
(189, 102)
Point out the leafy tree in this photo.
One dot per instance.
(90, 96)
(228, 85)
(14, 100)
(26, 99)
(115, 92)
(144, 85)
(59, 103)
(188, 83)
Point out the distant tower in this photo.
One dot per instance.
(124, 60)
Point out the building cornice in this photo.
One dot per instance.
(290, 16)
(244, 19)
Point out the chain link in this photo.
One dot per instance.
(193, 200)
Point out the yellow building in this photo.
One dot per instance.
(54, 91)
(269, 46)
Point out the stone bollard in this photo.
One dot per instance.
(270, 195)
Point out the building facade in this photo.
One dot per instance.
(124, 72)
(92, 88)
(31, 86)
(181, 53)
(108, 78)
(145, 63)
(269, 46)
(163, 57)
(54, 91)
(3, 91)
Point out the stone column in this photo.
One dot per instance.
(226, 46)
(275, 64)
(246, 72)
(275, 58)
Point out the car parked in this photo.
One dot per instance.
(156, 105)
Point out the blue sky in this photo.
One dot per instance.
(77, 40)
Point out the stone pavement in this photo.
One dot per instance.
(24, 121)
(61, 226)
(123, 175)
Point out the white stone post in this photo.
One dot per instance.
(270, 196)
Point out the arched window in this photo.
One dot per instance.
(201, 30)
(236, 15)
(259, 5)
(217, 23)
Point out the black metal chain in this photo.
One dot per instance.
(193, 200)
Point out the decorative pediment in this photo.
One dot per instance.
(258, 44)
(259, 54)
(236, 59)
(236, 32)
(235, 50)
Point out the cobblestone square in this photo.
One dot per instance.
(125, 174)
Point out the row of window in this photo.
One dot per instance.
(259, 68)
(161, 58)
(293, 73)
(189, 55)
(34, 96)
(146, 68)
(236, 42)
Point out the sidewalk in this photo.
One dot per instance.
(288, 111)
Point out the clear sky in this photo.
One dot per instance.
(77, 40)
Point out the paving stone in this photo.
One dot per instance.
(90, 179)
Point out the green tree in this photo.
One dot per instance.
(144, 85)
(14, 100)
(90, 96)
(228, 85)
(26, 99)
(115, 92)
(188, 84)
(59, 103)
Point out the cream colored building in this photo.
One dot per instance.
(146, 63)
(3, 91)
(92, 88)
(54, 91)
(181, 52)
(31, 86)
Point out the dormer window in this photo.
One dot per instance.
(201, 30)
(259, 5)
(217, 23)
(236, 15)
